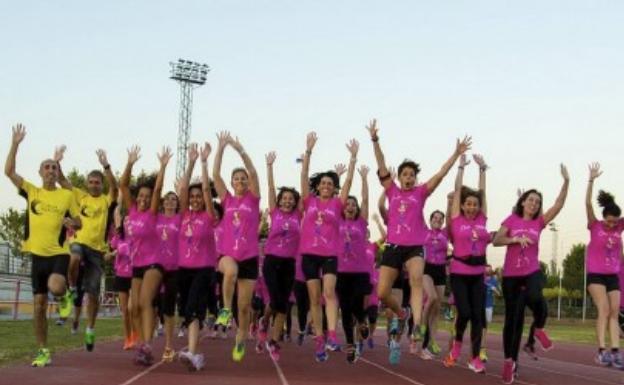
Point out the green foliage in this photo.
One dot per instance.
(12, 228)
(573, 268)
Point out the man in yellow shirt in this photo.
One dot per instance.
(89, 244)
(49, 210)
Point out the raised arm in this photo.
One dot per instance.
(124, 182)
(459, 182)
(59, 153)
(305, 167)
(380, 227)
(254, 184)
(270, 159)
(19, 132)
(207, 191)
(382, 170)
(219, 184)
(460, 148)
(363, 170)
(449, 209)
(353, 147)
(594, 172)
(381, 206)
(185, 181)
(163, 157)
(482, 169)
(113, 191)
(552, 212)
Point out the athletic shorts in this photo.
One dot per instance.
(122, 284)
(610, 281)
(44, 267)
(437, 273)
(91, 264)
(311, 265)
(139, 272)
(248, 269)
(395, 256)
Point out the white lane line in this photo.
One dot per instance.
(391, 372)
(143, 373)
(280, 373)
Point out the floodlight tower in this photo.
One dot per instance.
(190, 75)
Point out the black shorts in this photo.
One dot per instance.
(610, 281)
(353, 283)
(43, 267)
(248, 269)
(92, 266)
(311, 265)
(139, 272)
(437, 273)
(194, 287)
(395, 256)
(122, 284)
(170, 293)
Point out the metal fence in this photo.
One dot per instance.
(13, 264)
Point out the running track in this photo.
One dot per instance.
(567, 364)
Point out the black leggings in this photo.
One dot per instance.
(520, 292)
(468, 291)
(279, 276)
(303, 304)
(170, 293)
(351, 289)
(194, 287)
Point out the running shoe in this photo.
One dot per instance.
(238, 352)
(616, 360)
(434, 348)
(300, 338)
(65, 304)
(168, 355)
(332, 344)
(128, 345)
(508, 371)
(160, 331)
(143, 355)
(225, 316)
(426, 355)
(181, 332)
(543, 339)
(259, 346)
(451, 359)
(43, 358)
(89, 339)
(194, 362)
(402, 321)
(274, 350)
(413, 347)
(352, 355)
(419, 333)
(530, 351)
(60, 321)
(262, 331)
(604, 358)
(359, 347)
(483, 355)
(319, 352)
(395, 353)
(476, 365)
(393, 326)
(364, 331)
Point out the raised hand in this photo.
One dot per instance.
(224, 138)
(464, 145)
(59, 153)
(363, 170)
(480, 161)
(372, 129)
(134, 153)
(193, 152)
(594, 171)
(102, 158)
(340, 169)
(164, 156)
(270, 158)
(463, 161)
(311, 139)
(205, 151)
(19, 133)
(564, 172)
(353, 147)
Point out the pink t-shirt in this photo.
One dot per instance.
(167, 230)
(241, 220)
(470, 238)
(436, 246)
(319, 228)
(141, 231)
(196, 240)
(283, 239)
(521, 262)
(352, 257)
(406, 224)
(604, 250)
(123, 265)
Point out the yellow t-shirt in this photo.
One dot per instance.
(94, 218)
(45, 234)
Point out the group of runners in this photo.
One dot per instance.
(198, 250)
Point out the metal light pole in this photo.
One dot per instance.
(190, 75)
(555, 240)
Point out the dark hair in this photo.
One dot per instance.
(607, 202)
(162, 200)
(239, 169)
(315, 180)
(218, 209)
(292, 190)
(357, 205)
(143, 181)
(96, 173)
(519, 210)
(436, 212)
(409, 164)
(467, 192)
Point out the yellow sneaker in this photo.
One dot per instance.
(238, 352)
(42, 359)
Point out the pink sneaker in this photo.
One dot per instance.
(476, 365)
(274, 350)
(451, 359)
(508, 371)
(542, 338)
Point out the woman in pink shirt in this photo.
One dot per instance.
(406, 233)
(470, 237)
(353, 278)
(239, 238)
(320, 241)
(522, 278)
(604, 254)
(147, 269)
(280, 249)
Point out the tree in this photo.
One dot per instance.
(12, 229)
(573, 268)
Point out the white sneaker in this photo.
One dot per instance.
(197, 361)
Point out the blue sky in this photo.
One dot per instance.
(535, 83)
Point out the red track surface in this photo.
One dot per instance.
(567, 364)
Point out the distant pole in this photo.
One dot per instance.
(585, 285)
(555, 240)
(559, 296)
(190, 75)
